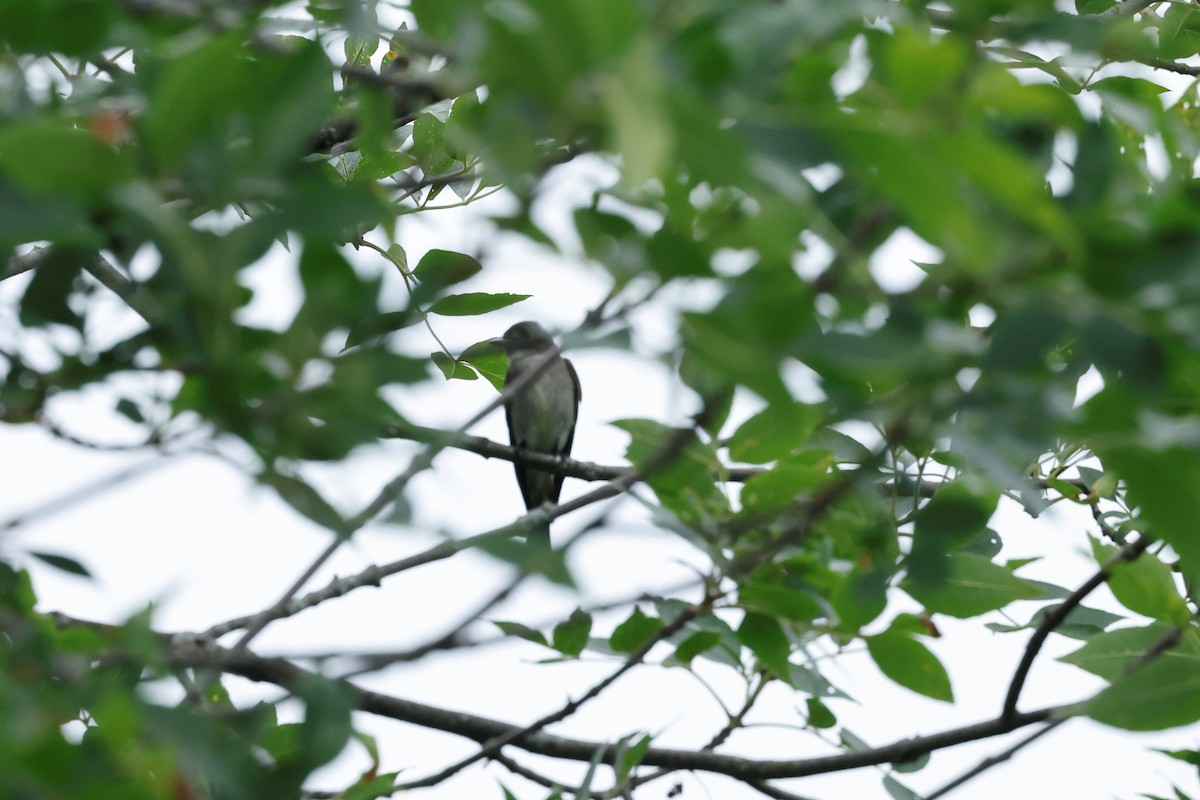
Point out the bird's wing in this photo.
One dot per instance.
(566, 451)
(515, 368)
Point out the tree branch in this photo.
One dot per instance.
(495, 744)
(189, 652)
(1126, 8)
(1056, 617)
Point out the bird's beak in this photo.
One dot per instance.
(499, 342)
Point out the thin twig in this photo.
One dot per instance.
(81, 494)
(1164, 643)
(991, 761)
(1056, 617)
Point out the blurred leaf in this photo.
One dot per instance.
(910, 664)
(695, 644)
(969, 585)
(371, 788)
(522, 631)
(897, 790)
(1081, 622)
(464, 305)
(778, 600)
(439, 269)
(1110, 654)
(62, 563)
(46, 297)
(1145, 585)
(571, 636)
(305, 499)
(1162, 694)
(818, 714)
(452, 369)
(632, 756)
(774, 432)
(326, 727)
(634, 632)
(48, 157)
(953, 517)
(768, 642)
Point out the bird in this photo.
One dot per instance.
(542, 413)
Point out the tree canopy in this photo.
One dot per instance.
(792, 160)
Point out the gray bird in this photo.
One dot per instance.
(542, 415)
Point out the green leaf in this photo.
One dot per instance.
(774, 432)
(787, 482)
(952, 518)
(1179, 32)
(919, 66)
(860, 598)
(377, 326)
(473, 303)
(1145, 585)
(1162, 694)
(632, 756)
(454, 370)
(1110, 654)
(969, 585)
(685, 484)
(1165, 485)
(65, 27)
(910, 664)
(305, 499)
(429, 144)
(46, 297)
(915, 765)
(818, 714)
(898, 791)
(51, 157)
(373, 787)
(130, 410)
(695, 644)
(489, 361)
(778, 600)
(359, 49)
(634, 632)
(60, 562)
(326, 728)
(440, 269)
(522, 631)
(571, 636)
(1081, 622)
(768, 642)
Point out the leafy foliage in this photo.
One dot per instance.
(1043, 350)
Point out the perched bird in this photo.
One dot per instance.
(542, 414)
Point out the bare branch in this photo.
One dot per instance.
(494, 745)
(189, 652)
(134, 296)
(81, 494)
(991, 761)
(1164, 643)
(1126, 8)
(24, 262)
(1056, 617)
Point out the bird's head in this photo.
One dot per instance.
(524, 337)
